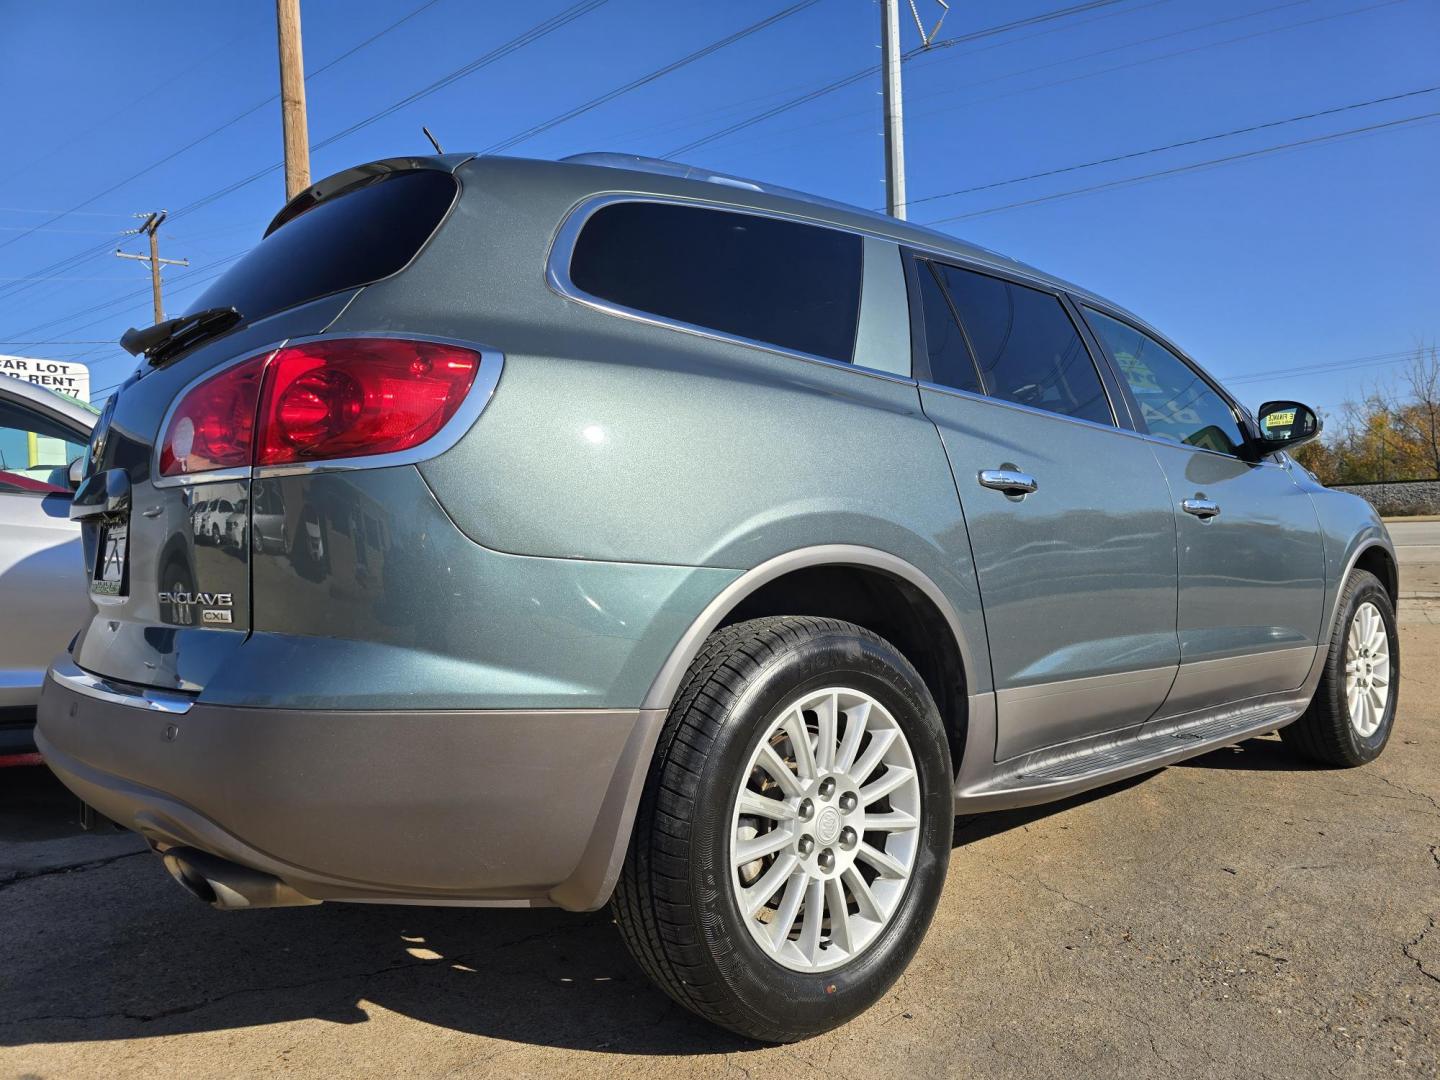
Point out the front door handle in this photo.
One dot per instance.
(1201, 508)
(1010, 481)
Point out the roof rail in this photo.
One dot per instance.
(661, 167)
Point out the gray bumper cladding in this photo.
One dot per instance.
(443, 807)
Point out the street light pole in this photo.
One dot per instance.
(894, 109)
(292, 98)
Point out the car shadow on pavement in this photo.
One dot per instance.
(99, 943)
(1264, 754)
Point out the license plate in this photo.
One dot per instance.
(114, 549)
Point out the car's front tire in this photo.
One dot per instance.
(1350, 718)
(793, 835)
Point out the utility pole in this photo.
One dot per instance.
(894, 109)
(292, 98)
(151, 228)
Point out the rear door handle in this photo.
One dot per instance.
(1201, 508)
(1010, 481)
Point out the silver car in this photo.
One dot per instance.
(630, 535)
(43, 584)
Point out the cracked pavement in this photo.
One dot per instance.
(1242, 914)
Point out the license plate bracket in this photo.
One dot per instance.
(112, 559)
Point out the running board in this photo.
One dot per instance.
(1063, 771)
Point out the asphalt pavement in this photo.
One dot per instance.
(1242, 914)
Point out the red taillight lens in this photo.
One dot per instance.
(336, 399)
(214, 425)
(326, 399)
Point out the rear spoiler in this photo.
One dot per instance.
(359, 176)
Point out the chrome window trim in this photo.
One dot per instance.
(67, 674)
(1129, 433)
(1077, 327)
(562, 247)
(492, 364)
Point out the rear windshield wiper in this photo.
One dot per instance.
(167, 337)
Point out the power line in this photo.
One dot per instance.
(870, 70)
(658, 73)
(535, 33)
(1373, 360)
(922, 112)
(1213, 162)
(522, 40)
(215, 131)
(1177, 145)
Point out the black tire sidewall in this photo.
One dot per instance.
(799, 1003)
(1367, 589)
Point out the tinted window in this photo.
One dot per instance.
(341, 243)
(780, 282)
(1027, 349)
(950, 363)
(1174, 400)
(35, 452)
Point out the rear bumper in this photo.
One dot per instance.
(523, 807)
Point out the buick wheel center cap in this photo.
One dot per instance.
(827, 825)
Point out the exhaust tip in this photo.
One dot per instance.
(227, 885)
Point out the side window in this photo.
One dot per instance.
(1025, 346)
(950, 362)
(1175, 401)
(780, 282)
(35, 452)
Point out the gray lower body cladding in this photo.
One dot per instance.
(518, 807)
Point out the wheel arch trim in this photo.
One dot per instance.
(667, 682)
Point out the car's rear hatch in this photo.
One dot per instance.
(169, 556)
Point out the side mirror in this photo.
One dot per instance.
(76, 472)
(1284, 425)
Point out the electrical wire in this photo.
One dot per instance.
(1174, 145)
(870, 70)
(1194, 167)
(658, 73)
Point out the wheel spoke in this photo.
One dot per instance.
(800, 740)
(887, 866)
(892, 778)
(894, 821)
(747, 851)
(772, 763)
(857, 717)
(814, 913)
(766, 807)
(879, 743)
(864, 898)
(769, 884)
(839, 909)
(827, 714)
(784, 919)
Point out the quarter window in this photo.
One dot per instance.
(1175, 400)
(35, 452)
(769, 280)
(1025, 347)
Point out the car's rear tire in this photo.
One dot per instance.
(1350, 718)
(698, 919)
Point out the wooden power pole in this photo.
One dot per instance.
(151, 228)
(292, 98)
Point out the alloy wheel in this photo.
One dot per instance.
(825, 829)
(1367, 670)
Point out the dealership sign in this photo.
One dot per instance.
(62, 376)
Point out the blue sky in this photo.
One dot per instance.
(1322, 254)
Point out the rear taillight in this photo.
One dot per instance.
(318, 401)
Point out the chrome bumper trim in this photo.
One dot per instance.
(66, 674)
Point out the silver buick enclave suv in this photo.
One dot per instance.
(601, 530)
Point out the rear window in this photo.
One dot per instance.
(344, 242)
(773, 281)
